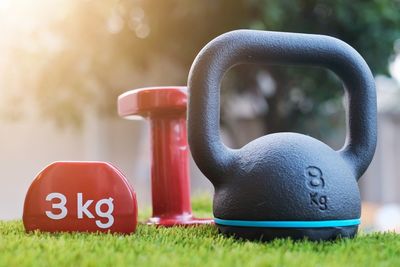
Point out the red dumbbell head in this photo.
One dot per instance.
(150, 101)
(80, 196)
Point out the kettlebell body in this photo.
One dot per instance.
(283, 184)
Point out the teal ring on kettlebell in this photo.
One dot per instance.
(289, 224)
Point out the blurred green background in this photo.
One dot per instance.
(86, 52)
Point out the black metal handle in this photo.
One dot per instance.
(250, 46)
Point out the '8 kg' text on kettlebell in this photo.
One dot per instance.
(316, 182)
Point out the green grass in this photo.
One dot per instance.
(201, 246)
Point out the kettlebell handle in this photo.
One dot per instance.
(251, 46)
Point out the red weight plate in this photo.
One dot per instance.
(80, 196)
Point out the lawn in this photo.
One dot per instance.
(201, 246)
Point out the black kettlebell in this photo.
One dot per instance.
(284, 184)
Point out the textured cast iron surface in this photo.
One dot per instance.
(268, 234)
(283, 176)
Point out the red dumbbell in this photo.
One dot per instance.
(80, 197)
(165, 108)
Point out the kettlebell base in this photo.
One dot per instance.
(268, 234)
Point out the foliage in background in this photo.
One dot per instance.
(80, 55)
(371, 27)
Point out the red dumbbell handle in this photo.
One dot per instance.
(169, 168)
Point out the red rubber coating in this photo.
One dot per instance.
(165, 108)
(148, 102)
(75, 196)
